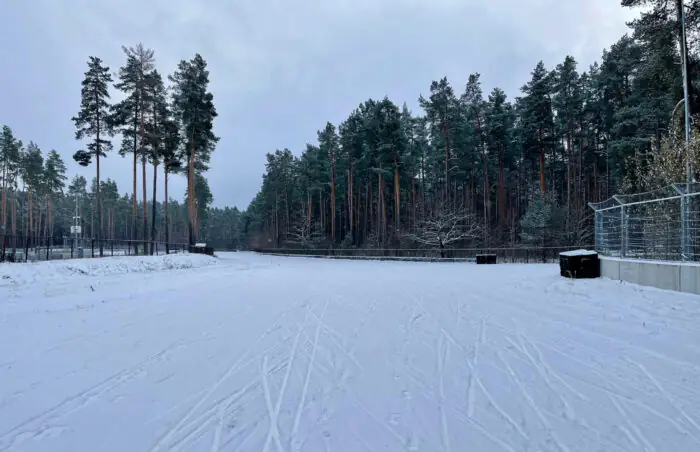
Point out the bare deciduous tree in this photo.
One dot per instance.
(303, 232)
(445, 227)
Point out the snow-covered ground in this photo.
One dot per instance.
(268, 353)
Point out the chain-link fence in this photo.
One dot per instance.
(17, 248)
(663, 224)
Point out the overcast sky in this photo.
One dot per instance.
(281, 68)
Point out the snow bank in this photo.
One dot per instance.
(24, 273)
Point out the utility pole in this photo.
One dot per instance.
(684, 50)
(687, 252)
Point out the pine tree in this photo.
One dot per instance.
(537, 118)
(10, 152)
(32, 174)
(156, 128)
(171, 158)
(567, 103)
(193, 107)
(328, 142)
(129, 115)
(93, 120)
(440, 112)
(54, 182)
(499, 120)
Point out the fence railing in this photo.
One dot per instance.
(663, 224)
(504, 255)
(17, 248)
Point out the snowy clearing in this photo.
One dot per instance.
(269, 353)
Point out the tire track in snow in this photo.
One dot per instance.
(217, 432)
(546, 368)
(666, 394)
(332, 333)
(635, 428)
(297, 417)
(526, 395)
(473, 367)
(468, 421)
(37, 423)
(237, 365)
(201, 424)
(614, 389)
(441, 352)
(539, 368)
(273, 432)
(472, 370)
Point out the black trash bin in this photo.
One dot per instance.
(485, 259)
(579, 264)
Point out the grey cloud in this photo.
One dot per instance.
(280, 69)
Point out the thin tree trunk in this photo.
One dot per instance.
(332, 157)
(3, 226)
(543, 186)
(99, 206)
(501, 188)
(145, 204)
(413, 193)
(165, 208)
(190, 189)
(134, 213)
(46, 219)
(397, 198)
(30, 213)
(447, 156)
(153, 210)
(351, 201)
(14, 223)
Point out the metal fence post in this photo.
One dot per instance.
(623, 232)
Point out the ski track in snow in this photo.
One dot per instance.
(285, 354)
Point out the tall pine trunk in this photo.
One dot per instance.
(351, 201)
(413, 193)
(14, 223)
(501, 189)
(30, 213)
(3, 226)
(543, 186)
(190, 190)
(153, 210)
(145, 203)
(165, 209)
(332, 157)
(447, 157)
(135, 204)
(397, 198)
(99, 206)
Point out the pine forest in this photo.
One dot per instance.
(470, 168)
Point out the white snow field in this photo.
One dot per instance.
(261, 353)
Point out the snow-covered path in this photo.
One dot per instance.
(259, 353)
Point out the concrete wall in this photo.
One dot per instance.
(678, 276)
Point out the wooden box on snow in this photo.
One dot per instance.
(485, 258)
(579, 264)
